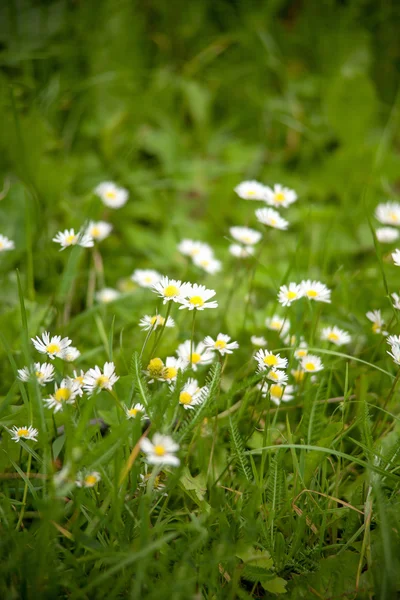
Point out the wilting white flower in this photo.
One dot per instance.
(245, 235)
(99, 230)
(241, 251)
(258, 340)
(96, 380)
(279, 196)
(271, 218)
(196, 298)
(396, 301)
(161, 450)
(194, 248)
(277, 376)
(68, 237)
(171, 289)
(387, 235)
(287, 295)
(53, 346)
(146, 277)
(136, 410)
(192, 395)
(250, 190)
(107, 295)
(200, 356)
(311, 363)
(89, 480)
(377, 320)
(111, 195)
(209, 264)
(65, 393)
(268, 360)
(388, 213)
(222, 344)
(277, 323)
(6, 243)
(147, 322)
(337, 336)
(396, 257)
(28, 433)
(44, 373)
(70, 354)
(315, 290)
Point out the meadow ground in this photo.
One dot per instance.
(142, 453)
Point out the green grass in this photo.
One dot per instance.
(179, 102)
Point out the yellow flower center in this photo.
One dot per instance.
(70, 239)
(312, 293)
(95, 232)
(270, 360)
(251, 193)
(148, 279)
(23, 432)
(79, 379)
(170, 291)
(291, 295)
(333, 336)
(394, 216)
(90, 480)
(310, 366)
(272, 222)
(62, 395)
(375, 327)
(53, 348)
(301, 353)
(279, 197)
(194, 252)
(185, 398)
(196, 301)
(155, 367)
(132, 412)
(276, 324)
(298, 375)
(157, 320)
(220, 344)
(1, 245)
(110, 194)
(169, 372)
(273, 375)
(102, 381)
(39, 375)
(159, 450)
(195, 358)
(276, 390)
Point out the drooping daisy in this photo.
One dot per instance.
(209, 264)
(387, 235)
(269, 360)
(99, 230)
(155, 368)
(337, 336)
(277, 376)
(146, 277)
(395, 354)
(200, 356)
(311, 363)
(88, 480)
(241, 251)
(271, 218)
(388, 213)
(6, 243)
(194, 248)
(250, 190)
(277, 323)
(222, 344)
(107, 295)
(44, 373)
(147, 322)
(377, 320)
(111, 195)
(96, 380)
(53, 346)
(172, 367)
(68, 237)
(70, 354)
(279, 196)
(138, 410)
(66, 393)
(258, 340)
(171, 289)
(396, 301)
(288, 294)
(161, 450)
(245, 235)
(28, 433)
(396, 257)
(315, 290)
(196, 298)
(192, 395)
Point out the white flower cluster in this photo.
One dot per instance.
(202, 255)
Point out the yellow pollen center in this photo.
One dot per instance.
(195, 358)
(133, 412)
(23, 432)
(110, 195)
(169, 372)
(333, 336)
(70, 239)
(394, 217)
(194, 252)
(148, 279)
(170, 291)
(79, 379)
(279, 197)
(90, 479)
(39, 374)
(276, 390)
(196, 301)
(310, 366)
(298, 375)
(185, 398)
(375, 327)
(273, 222)
(270, 360)
(220, 344)
(102, 381)
(159, 450)
(155, 367)
(276, 325)
(62, 395)
(273, 375)
(251, 193)
(312, 293)
(291, 295)
(301, 353)
(95, 232)
(53, 348)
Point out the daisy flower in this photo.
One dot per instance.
(276, 323)
(52, 346)
(396, 301)
(147, 322)
(172, 367)
(388, 213)
(161, 450)
(337, 336)
(136, 410)
(99, 230)
(196, 298)
(287, 295)
(315, 290)
(209, 264)
(268, 360)
(193, 248)
(107, 295)
(241, 251)
(278, 393)
(279, 196)
(201, 355)
(68, 237)
(393, 340)
(377, 320)
(387, 235)
(396, 257)
(70, 354)
(155, 368)
(170, 289)
(395, 354)
(311, 363)
(277, 376)
(95, 380)
(111, 195)
(222, 344)
(158, 484)
(44, 373)
(245, 235)
(146, 277)
(258, 340)
(89, 480)
(271, 218)
(298, 375)
(191, 395)
(250, 190)
(66, 393)
(79, 378)
(28, 433)
(301, 350)
(6, 244)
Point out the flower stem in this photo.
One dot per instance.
(192, 338)
(157, 339)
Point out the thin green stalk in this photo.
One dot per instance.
(21, 514)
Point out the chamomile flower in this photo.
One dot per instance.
(388, 213)
(277, 323)
(269, 360)
(209, 264)
(44, 373)
(250, 190)
(161, 450)
(194, 248)
(146, 277)
(155, 368)
(200, 356)
(79, 378)
(70, 354)
(96, 380)
(395, 353)
(192, 395)
(279, 393)
(396, 301)
(6, 244)
(28, 433)
(258, 340)
(111, 195)
(245, 235)
(68, 237)
(65, 393)
(311, 363)
(107, 295)
(172, 367)
(222, 344)
(337, 336)
(288, 294)
(393, 340)
(147, 322)
(99, 230)
(241, 251)
(387, 235)
(271, 218)
(88, 480)
(301, 350)
(52, 346)
(138, 410)
(279, 196)
(171, 289)
(377, 320)
(315, 290)
(396, 257)
(277, 376)
(196, 298)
